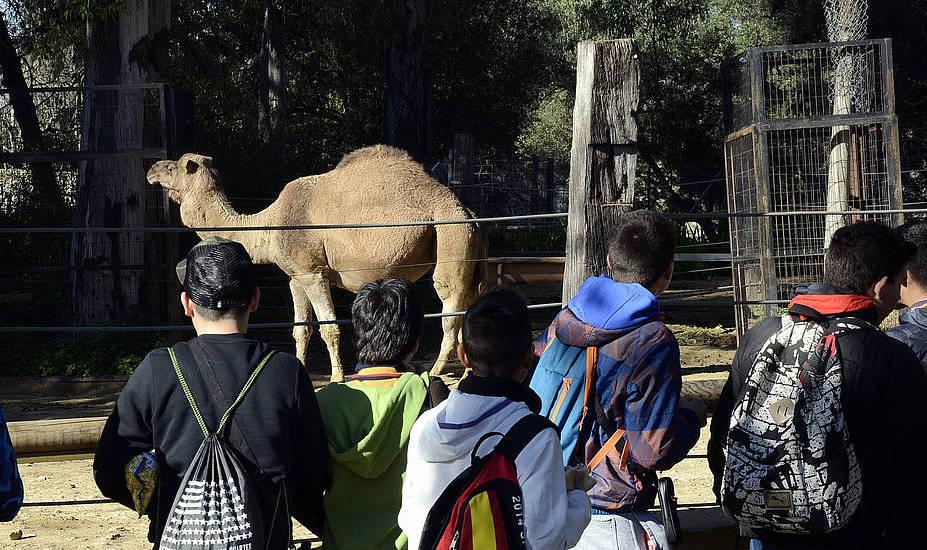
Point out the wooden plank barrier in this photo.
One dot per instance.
(55, 437)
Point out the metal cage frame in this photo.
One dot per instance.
(779, 110)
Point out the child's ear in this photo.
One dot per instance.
(522, 374)
(255, 300)
(462, 355)
(186, 304)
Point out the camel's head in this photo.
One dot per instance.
(190, 174)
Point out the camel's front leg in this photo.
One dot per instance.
(302, 312)
(319, 294)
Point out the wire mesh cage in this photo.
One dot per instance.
(811, 145)
(93, 149)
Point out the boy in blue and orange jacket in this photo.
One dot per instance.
(609, 376)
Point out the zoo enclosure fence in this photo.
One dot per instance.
(94, 142)
(811, 130)
(733, 216)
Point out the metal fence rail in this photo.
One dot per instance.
(319, 227)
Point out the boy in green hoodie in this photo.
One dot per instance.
(368, 419)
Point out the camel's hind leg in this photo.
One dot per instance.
(302, 311)
(319, 293)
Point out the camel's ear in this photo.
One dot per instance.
(192, 165)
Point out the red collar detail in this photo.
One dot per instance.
(832, 304)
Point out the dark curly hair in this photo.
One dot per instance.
(387, 321)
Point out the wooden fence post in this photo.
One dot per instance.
(549, 187)
(604, 153)
(460, 167)
(535, 184)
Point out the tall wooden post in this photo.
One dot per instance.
(604, 153)
(460, 168)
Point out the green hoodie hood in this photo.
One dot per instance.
(368, 421)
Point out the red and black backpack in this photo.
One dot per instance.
(483, 507)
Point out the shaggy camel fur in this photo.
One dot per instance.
(376, 184)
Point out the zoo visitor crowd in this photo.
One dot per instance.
(546, 443)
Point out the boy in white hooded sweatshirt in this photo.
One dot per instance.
(492, 398)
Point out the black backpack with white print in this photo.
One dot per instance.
(790, 464)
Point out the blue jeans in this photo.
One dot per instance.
(630, 531)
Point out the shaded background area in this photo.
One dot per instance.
(276, 89)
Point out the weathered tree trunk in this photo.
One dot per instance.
(843, 26)
(406, 115)
(604, 154)
(272, 93)
(128, 48)
(46, 197)
(460, 167)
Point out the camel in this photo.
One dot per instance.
(377, 184)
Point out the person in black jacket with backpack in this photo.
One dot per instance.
(912, 329)
(884, 393)
(276, 431)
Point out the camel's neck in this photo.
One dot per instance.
(216, 211)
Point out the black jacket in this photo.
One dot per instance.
(885, 406)
(279, 419)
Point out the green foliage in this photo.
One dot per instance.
(85, 355)
(549, 129)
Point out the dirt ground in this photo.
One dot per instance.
(49, 525)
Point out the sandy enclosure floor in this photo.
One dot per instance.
(56, 526)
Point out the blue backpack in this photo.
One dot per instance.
(565, 381)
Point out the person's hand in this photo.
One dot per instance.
(578, 477)
(697, 406)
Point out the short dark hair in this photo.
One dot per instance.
(213, 315)
(497, 333)
(641, 247)
(387, 321)
(914, 232)
(862, 253)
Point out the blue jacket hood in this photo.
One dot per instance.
(610, 305)
(917, 317)
(913, 332)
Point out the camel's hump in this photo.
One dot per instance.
(375, 152)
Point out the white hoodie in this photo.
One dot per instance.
(439, 450)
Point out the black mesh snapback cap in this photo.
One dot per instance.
(217, 274)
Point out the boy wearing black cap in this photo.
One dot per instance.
(276, 430)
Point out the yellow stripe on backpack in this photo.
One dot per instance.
(484, 532)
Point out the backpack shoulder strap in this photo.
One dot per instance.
(244, 390)
(187, 393)
(521, 433)
(615, 434)
(236, 436)
(589, 394)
